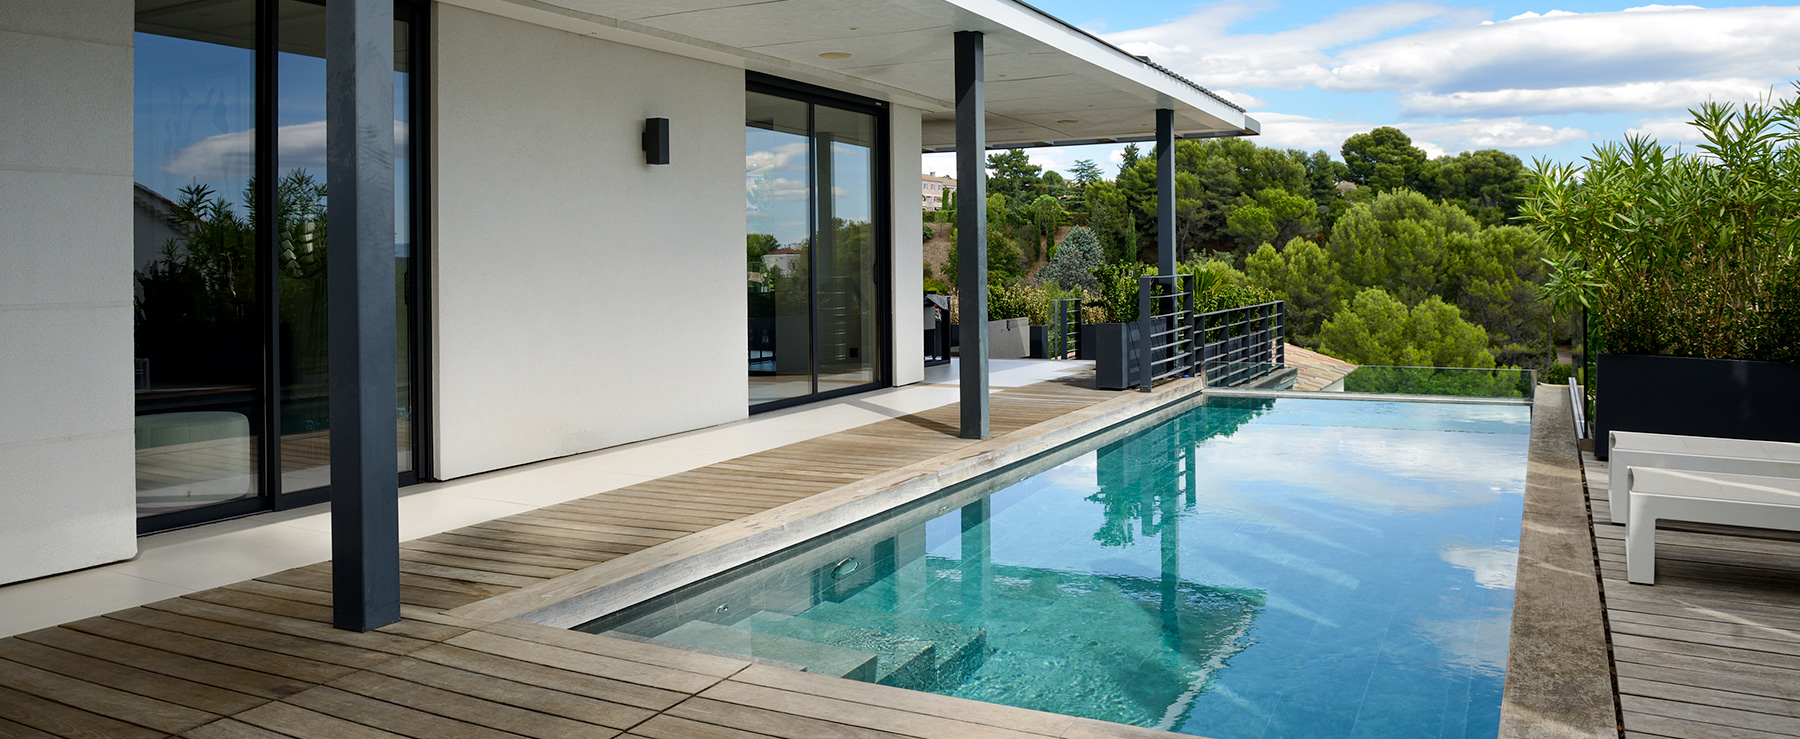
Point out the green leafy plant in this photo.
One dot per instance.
(1118, 294)
(1683, 253)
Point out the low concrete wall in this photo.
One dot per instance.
(1558, 669)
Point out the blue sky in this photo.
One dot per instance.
(1537, 79)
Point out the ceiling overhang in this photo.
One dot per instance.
(1047, 83)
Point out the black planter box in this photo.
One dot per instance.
(1040, 342)
(1730, 398)
(1114, 350)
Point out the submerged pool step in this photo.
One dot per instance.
(824, 659)
(901, 660)
(960, 649)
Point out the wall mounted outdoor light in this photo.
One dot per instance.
(656, 141)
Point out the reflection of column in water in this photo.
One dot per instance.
(910, 575)
(976, 554)
(1170, 537)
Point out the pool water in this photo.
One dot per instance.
(1251, 568)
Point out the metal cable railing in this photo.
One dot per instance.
(1237, 345)
(1065, 331)
(1166, 341)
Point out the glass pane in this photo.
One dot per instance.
(849, 343)
(302, 249)
(198, 349)
(777, 188)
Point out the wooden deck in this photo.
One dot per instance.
(1712, 650)
(259, 660)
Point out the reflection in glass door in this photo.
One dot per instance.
(198, 348)
(813, 247)
(230, 292)
(303, 247)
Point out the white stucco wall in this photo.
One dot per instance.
(909, 251)
(66, 459)
(584, 299)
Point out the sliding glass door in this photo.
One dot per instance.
(230, 252)
(815, 245)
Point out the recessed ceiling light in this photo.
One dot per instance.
(1068, 120)
(835, 55)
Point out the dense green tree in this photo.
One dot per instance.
(1398, 242)
(1204, 199)
(1385, 159)
(1004, 262)
(1494, 276)
(1302, 274)
(1012, 174)
(1085, 172)
(1272, 215)
(1489, 184)
(1375, 328)
(1322, 174)
(1072, 266)
(1128, 157)
(1045, 215)
(1138, 183)
(1257, 168)
(1110, 216)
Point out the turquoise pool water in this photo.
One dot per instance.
(1251, 568)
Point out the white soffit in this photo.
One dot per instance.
(1048, 83)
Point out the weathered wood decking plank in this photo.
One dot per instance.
(259, 660)
(1713, 648)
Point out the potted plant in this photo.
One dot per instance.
(1113, 342)
(1685, 265)
(1009, 310)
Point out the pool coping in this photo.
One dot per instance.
(1376, 397)
(1558, 670)
(575, 598)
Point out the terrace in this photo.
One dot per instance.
(1706, 652)
(546, 483)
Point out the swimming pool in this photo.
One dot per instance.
(1250, 568)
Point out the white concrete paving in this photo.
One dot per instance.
(179, 562)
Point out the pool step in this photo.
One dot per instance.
(824, 659)
(960, 649)
(901, 660)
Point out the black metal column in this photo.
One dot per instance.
(971, 231)
(359, 157)
(1165, 191)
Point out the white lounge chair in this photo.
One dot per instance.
(1695, 453)
(1701, 497)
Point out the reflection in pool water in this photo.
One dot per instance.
(1252, 568)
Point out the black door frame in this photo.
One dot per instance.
(268, 495)
(881, 221)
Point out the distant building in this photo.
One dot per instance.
(781, 260)
(934, 188)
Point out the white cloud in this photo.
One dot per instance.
(1575, 50)
(1284, 130)
(228, 155)
(1632, 97)
(1667, 131)
(1493, 133)
(1289, 131)
(1455, 63)
(1199, 47)
(1247, 100)
(1493, 567)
